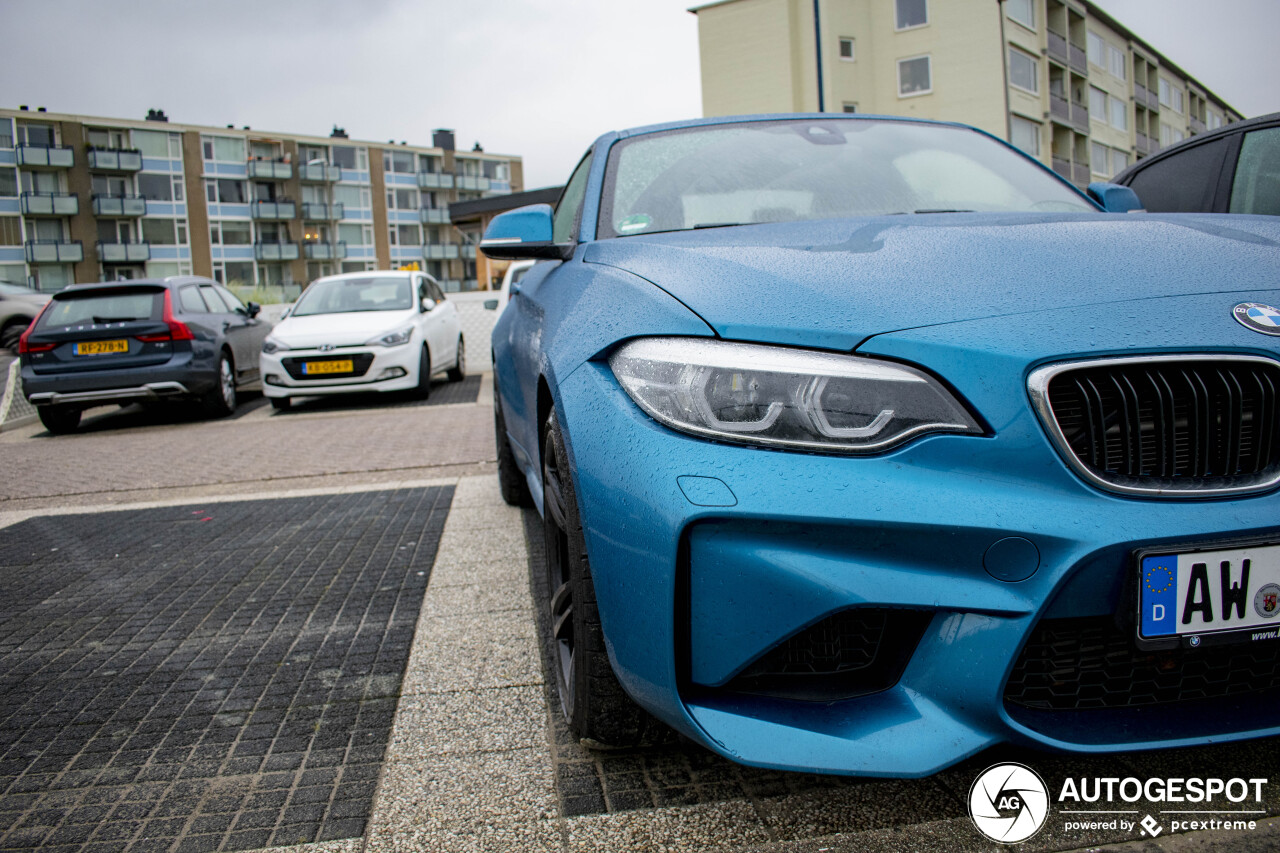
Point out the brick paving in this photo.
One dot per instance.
(199, 679)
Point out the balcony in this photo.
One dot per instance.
(275, 251)
(1080, 173)
(325, 251)
(1058, 48)
(434, 181)
(1078, 60)
(49, 204)
(318, 211)
(273, 210)
(1197, 126)
(433, 216)
(270, 170)
(124, 253)
(45, 156)
(54, 251)
(1080, 117)
(1143, 144)
(470, 182)
(115, 159)
(319, 173)
(440, 253)
(1062, 167)
(124, 206)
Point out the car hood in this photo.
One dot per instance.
(350, 329)
(834, 283)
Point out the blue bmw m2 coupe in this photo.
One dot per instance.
(863, 444)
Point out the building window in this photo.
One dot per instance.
(1026, 135)
(8, 181)
(400, 162)
(846, 49)
(159, 232)
(1097, 104)
(156, 187)
(1022, 11)
(1119, 113)
(406, 235)
(915, 76)
(1169, 135)
(1215, 121)
(911, 13)
(1169, 96)
(1116, 57)
(1024, 71)
(1095, 44)
(1119, 161)
(849, 108)
(1099, 158)
(10, 231)
(354, 197)
(224, 191)
(399, 199)
(224, 149)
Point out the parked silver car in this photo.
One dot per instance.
(18, 307)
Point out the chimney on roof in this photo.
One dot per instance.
(338, 132)
(477, 147)
(22, 107)
(156, 115)
(39, 109)
(442, 138)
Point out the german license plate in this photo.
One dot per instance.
(1195, 597)
(315, 368)
(101, 347)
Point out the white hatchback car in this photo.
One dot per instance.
(365, 331)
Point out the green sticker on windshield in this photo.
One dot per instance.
(636, 222)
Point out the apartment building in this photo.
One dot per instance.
(1060, 79)
(87, 199)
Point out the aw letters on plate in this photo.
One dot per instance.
(1227, 595)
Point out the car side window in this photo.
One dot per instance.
(1256, 187)
(570, 204)
(230, 298)
(191, 302)
(1183, 183)
(436, 293)
(216, 305)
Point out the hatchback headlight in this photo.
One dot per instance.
(270, 345)
(392, 339)
(784, 397)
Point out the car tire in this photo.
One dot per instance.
(423, 391)
(220, 400)
(10, 334)
(459, 370)
(59, 420)
(598, 711)
(281, 404)
(511, 481)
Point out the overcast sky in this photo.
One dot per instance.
(538, 78)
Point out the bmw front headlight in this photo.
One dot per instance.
(784, 397)
(270, 345)
(392, 339)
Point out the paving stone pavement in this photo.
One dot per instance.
(217, 678)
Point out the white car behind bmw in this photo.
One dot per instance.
(366, 331)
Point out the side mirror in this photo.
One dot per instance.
(1115, 198)
(491, 305)
(523, 233)
(427, 304)
(254, 309)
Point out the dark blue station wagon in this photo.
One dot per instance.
(181, 337)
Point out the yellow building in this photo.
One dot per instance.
(1058, 78)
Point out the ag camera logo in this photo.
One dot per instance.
(1008, 803)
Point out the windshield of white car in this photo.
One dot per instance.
(784, 171)
(349, 295)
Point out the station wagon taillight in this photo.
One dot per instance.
(178, 330)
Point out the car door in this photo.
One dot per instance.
(237, 329)
(523, 321)
(442, 322)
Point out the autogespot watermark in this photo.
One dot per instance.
(1010, 803)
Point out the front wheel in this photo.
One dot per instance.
(220, 400)
(423, 391)
(10, 334)
(59, 420)
(595, 706)
(459, 370)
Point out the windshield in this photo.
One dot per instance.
(782, 171)
(347, 295)
(68, 309)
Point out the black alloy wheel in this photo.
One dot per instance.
(597, 709)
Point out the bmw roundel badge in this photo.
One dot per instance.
(1258, 317)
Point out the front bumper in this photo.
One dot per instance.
(697, 578)
(389, 369)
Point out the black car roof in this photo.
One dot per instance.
(1198, 139)
(132, 284)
